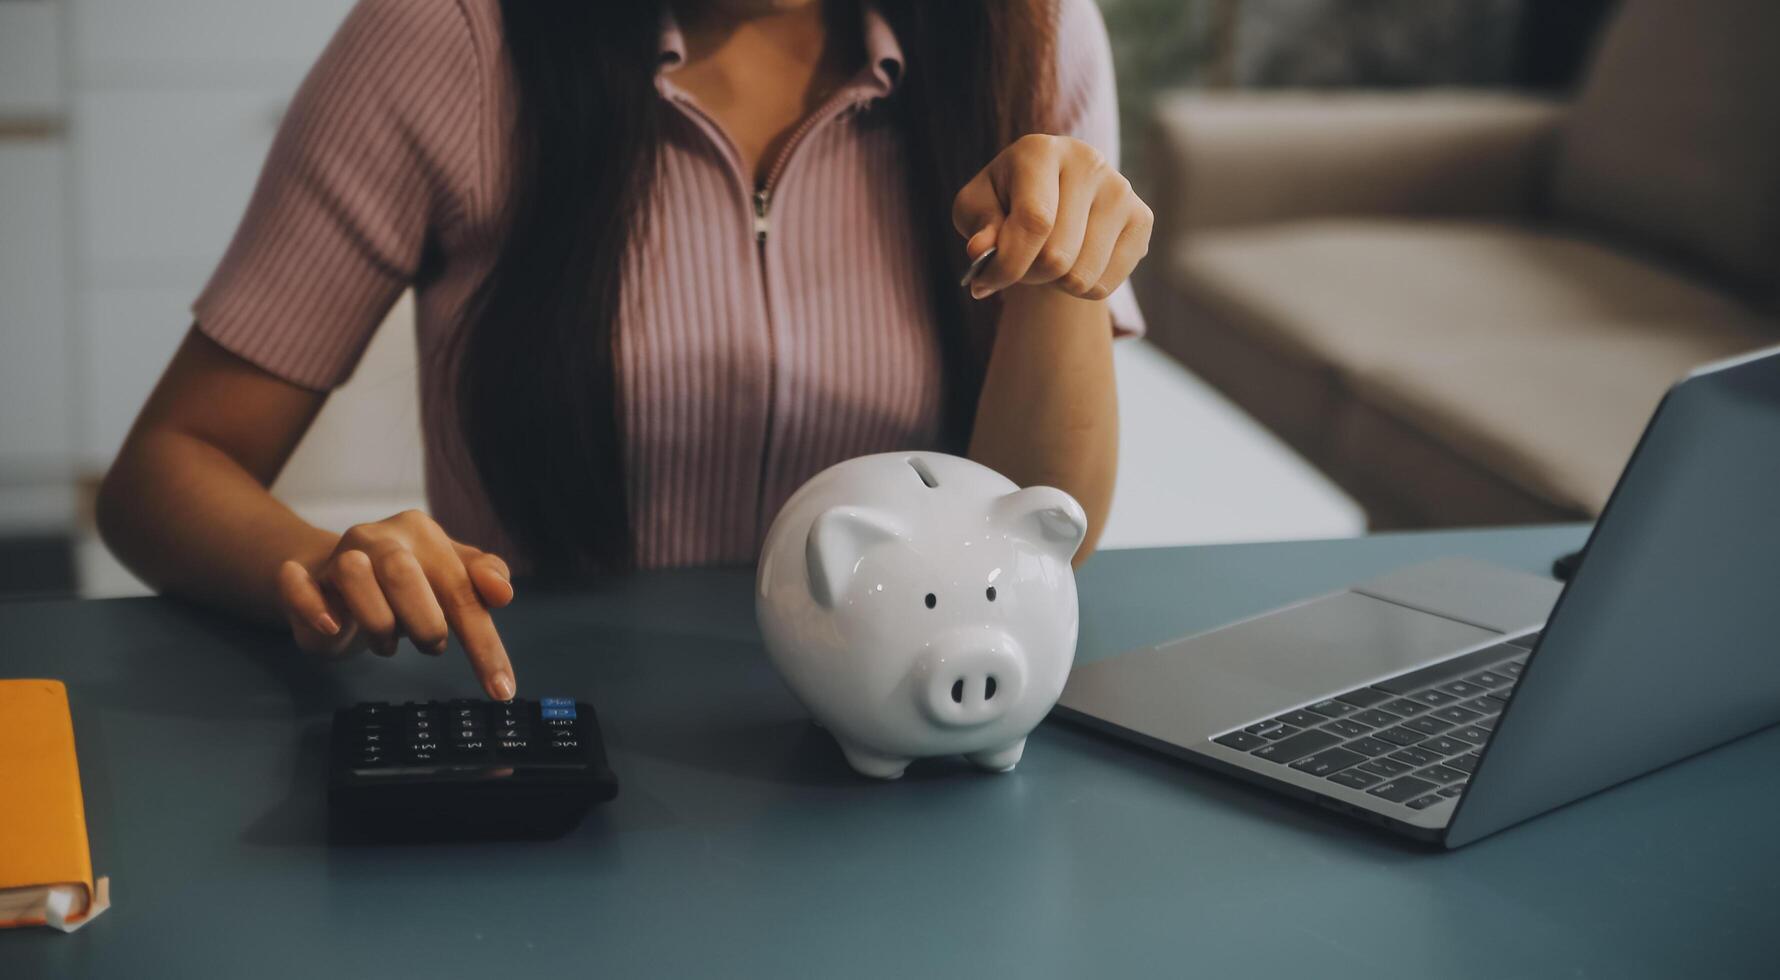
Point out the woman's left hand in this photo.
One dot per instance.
(1056, 212)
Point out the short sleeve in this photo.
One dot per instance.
(375, 154)
(1089, 111)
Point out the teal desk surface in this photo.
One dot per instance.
(741, 846)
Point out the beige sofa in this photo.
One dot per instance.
(1464, 307)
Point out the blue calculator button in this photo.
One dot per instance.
(557, 702)
(559, 712)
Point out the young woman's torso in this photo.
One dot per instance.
(774, 315)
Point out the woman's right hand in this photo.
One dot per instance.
(402, 576)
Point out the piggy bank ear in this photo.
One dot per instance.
(1047, 516)
(839, 537)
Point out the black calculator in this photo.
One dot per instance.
(430, 770)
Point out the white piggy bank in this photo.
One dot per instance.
(921, 604)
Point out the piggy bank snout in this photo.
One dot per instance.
(970, 683)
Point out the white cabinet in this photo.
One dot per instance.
(215, 43)
(30, 59)
(34, 343)
(164, 176)
(174, 106)
(37, 399)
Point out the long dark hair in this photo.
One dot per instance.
(537, 393)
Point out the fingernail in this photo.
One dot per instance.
(327, 625)
(503, 687)
(978, 292)
(438, 649)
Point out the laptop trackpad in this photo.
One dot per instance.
(1188, 690)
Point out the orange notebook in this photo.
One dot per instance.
(46, 871)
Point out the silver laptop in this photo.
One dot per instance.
(1450, 700)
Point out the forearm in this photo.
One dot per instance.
(191, 521)
(1048, 411)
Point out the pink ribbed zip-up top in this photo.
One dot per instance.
(762, 334)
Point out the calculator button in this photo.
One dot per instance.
(556, 702)
(511, 732)
(513, 746)
(559, 722)
(565, 745)
(551, 713)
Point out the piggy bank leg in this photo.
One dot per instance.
(868, 763)
(1001, 759)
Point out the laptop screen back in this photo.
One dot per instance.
(1667, 641)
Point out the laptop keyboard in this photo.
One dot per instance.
(1412, 740)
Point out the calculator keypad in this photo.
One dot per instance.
(464, 732)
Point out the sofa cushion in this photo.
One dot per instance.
(1535, 355)
(1674, 141)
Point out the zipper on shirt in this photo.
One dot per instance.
(762, 201)
(763, 195)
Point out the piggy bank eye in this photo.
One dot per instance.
(932, 600)
(991, 593)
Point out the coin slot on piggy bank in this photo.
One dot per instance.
(920, 604)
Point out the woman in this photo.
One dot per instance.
(669, 264)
